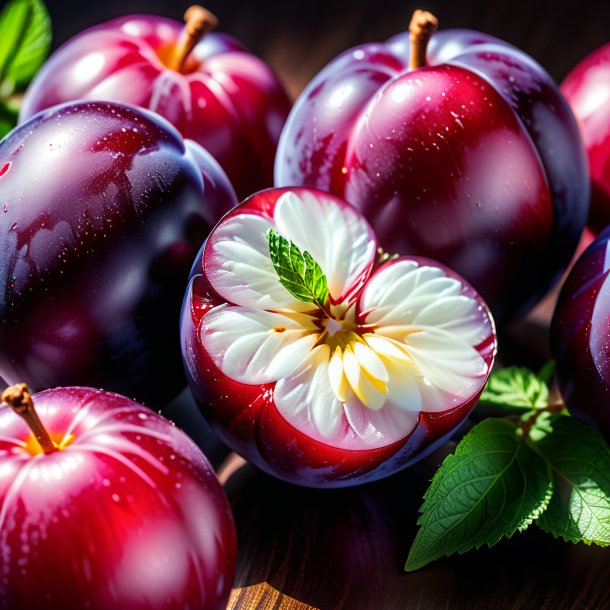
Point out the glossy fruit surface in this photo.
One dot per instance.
(102, 207)
(350, 389)
(579, 336)
(474, 160)
(587, 89)
(127, 514)
(224, 98)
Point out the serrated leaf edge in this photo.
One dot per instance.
(533, 516)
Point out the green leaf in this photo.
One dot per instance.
(299, 273)
(25, 40)
(8, 118)
(492, 486)
(515, 389)
(579, 459)
(546, 373)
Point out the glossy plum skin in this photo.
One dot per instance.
(225, 98)
(579, 336)
(247, 419)
(587, 89)
(474, 160)
(103, 207)
(129, 514)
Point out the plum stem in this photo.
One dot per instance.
(18, 397)
(423, 25)
(198, 22)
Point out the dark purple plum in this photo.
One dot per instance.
(221, 95)
(471, 157)
(587, 89)
(102, 209)
(580, 336)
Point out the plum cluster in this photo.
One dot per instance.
(338, 324)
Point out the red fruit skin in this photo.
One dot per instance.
(475, 160)
(246, 418)
(128, 515)
(579, 336)
(103, 207)
(587, 89)
(225, 98)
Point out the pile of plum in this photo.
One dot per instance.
(335, 327)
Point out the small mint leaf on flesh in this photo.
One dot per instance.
(492, 486)
(298, 272)
(25, 40)
(579, 460)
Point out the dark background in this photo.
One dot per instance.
(298, 38)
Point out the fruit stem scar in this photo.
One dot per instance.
(18, 397)
(198, 22)
(423, 25)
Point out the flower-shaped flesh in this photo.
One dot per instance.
(353, 366)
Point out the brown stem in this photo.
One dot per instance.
(198, 22)
(423, 25)
(18, 397)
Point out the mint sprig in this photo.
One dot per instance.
(515, 389)
(579, 461)
(492, 486)
(25, 40)
(298, 272)
(535, 464)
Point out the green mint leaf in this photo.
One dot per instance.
(514, 389)
(579, 460)
(25, 40)
(546, 373)
(299, 273)
(492, 486)
(8, 118)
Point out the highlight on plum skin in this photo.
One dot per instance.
(96, 246)
(124, 512)
(338, 389)
(579, 336)
(472, 158)
(211, 88)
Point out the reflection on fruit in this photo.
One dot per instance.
(123, 511)
(468, 155)
(102, 209)
(579, 336)
(218, 94)
(587, 89)
(373, 367)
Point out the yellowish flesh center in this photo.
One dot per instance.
(353, 364)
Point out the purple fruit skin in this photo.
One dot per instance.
(580, 336)
(103, 208)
